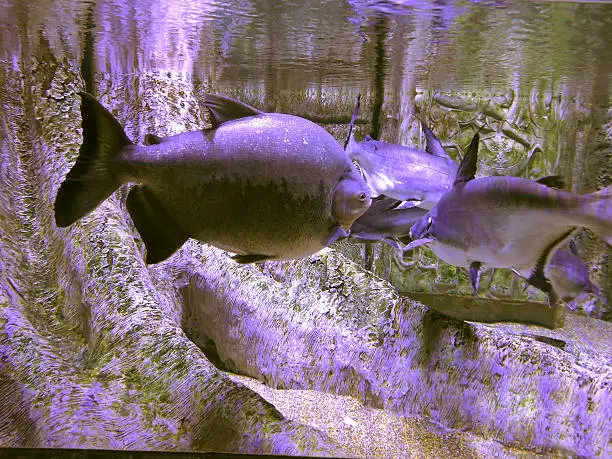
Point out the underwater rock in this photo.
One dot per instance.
(477, 309)
(325, 323)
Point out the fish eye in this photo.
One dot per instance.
(361, 197)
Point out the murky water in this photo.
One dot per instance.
(531, 66)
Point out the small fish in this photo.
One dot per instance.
(261, 185)
(507, 222)
(569, 275)
(404, 173)
(389, 220)
(386, 220)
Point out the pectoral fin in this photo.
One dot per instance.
(158, 229)
(391, 242)
(418, 242)
(337, 233)
(250, 258)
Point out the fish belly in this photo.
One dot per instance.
(511, 240)
(451, 255)
(250, 219)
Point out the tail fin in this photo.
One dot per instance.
(600, 210)
(91, 181)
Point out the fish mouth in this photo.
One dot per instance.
(347, 221)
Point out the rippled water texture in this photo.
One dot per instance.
(443, 45)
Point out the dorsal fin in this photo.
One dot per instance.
(432, 144)
(467, 168)
(152, 139)
(223, 109)
(353, 119)
(552, 181)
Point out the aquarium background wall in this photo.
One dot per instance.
(99, 350)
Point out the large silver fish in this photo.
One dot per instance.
(507, 222)
(261, 185)
(404, 173)
(390, 220)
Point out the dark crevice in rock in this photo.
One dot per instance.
(193, 299)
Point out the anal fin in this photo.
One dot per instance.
(158, 229)
(250, 258)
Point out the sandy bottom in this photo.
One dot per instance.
(373, 433)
